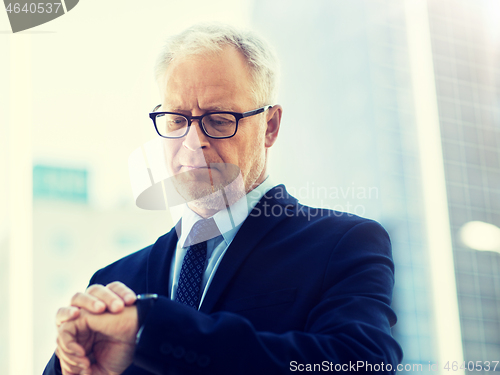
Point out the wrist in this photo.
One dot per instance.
(143, 303)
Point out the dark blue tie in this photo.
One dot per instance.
(193, 265)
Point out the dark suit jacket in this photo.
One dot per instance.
(297, 286)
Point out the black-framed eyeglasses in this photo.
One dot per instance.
(216, 125)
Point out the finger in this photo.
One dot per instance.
(71, 370)
(66, 339)
(69, 359)
(69, 366)
(65, 314)
(114, 303)
(65, 371)
(123, 291)
(70, 353)
(88, 302)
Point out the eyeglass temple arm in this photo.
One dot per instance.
(256, 111)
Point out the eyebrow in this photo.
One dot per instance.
(208, 109)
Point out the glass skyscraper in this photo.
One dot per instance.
(466, 56)
(350, 126)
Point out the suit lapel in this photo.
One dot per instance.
(158, 267)
(255, 227)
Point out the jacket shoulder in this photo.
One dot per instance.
(279, 202)
(129, 270)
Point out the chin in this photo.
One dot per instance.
(204, 195)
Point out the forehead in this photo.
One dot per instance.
(207, 80)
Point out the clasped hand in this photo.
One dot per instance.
(96, 334)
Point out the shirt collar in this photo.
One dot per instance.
(230, 219)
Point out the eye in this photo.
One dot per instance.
(219, 120)
(178, 120)
(175, 121)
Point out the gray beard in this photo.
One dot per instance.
(216, 197)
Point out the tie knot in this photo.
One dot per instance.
(202, 230)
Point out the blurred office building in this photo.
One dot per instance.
(466, 55)
(347, 90)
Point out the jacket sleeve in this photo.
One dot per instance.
(348, 330)
(53, 367)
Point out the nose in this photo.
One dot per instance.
(195, 138)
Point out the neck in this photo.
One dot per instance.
(206, 212)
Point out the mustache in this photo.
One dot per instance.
(228, 171)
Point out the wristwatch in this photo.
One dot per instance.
(144, 303)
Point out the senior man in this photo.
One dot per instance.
(249, 281)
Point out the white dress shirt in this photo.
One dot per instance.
(227, 222)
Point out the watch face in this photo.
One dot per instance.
(147, 296)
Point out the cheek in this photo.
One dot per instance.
(170, 149)
(229, 153)
(251, 152)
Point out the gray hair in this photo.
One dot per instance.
(211, 38)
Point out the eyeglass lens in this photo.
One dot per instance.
(215, 124)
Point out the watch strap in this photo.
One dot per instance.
(144, 303)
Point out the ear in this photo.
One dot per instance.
(273, 124)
